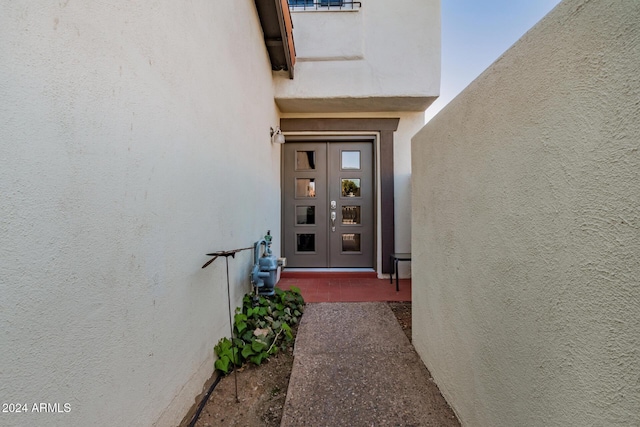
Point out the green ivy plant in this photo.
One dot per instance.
(261, 327)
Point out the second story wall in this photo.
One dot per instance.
(379, 56)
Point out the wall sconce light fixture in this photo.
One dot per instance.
(276, 136)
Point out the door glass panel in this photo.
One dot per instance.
(305, 214)
(305, 160)
(351, 187)
(305, 187)
(351, 214)
(351, 242)
(306, 242)
(350, 160)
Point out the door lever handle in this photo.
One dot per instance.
(333, 221)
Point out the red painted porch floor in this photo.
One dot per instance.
(345, 287)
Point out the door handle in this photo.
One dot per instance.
(333, 221)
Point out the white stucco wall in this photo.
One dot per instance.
(409, 124)
(134, 138)
(383, 57)
(526, 229)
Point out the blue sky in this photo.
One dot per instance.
(475, 33)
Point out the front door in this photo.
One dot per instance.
(328, 204)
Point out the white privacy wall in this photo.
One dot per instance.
(134, 138)
(526, 228)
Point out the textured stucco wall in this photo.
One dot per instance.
(134, 138)
(383, 57)
(526, 228)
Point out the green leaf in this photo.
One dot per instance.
(235, 357)
(249, 312)
(247, 351)
(257, 346)
(240, 317)
(287, 331)
(258, 358)
(222, 364)
(223, 346)
(241, 326)
(294, 290)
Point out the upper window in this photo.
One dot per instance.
(323, 4)
(313, 2)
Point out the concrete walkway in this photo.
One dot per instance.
(354, 366)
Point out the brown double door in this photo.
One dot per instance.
(328, 204)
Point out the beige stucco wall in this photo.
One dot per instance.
(134, 138)
(526, 228)
(384, 56)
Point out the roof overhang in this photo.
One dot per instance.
(367, 104)
(277, 27)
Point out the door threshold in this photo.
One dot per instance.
(325, 270)
(354, 273)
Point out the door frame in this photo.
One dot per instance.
(329, 139)
(381, 132)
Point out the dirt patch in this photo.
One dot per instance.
(262, 390)
(402, 311)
